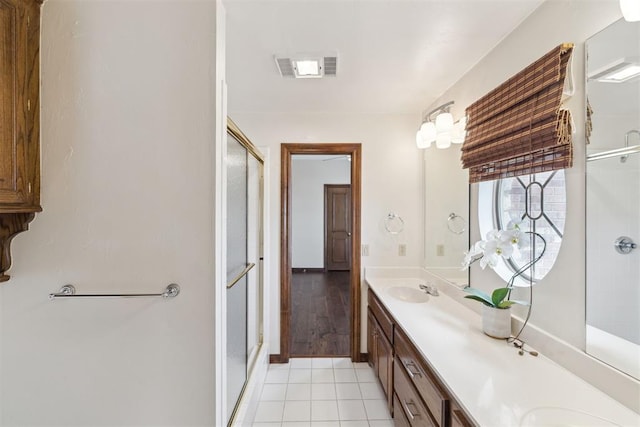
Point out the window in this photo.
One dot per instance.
(539, 202)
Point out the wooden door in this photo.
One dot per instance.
(337, 223)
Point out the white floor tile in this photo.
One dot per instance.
(365, 375)
(322, 375)
(325, 424)
(266, 425)
(324, 410)
(377, 409)
(278, 367)
(298, 391)
(300, 363)
(346, 391)
(297, 411)
(380, 423)
(351, 410)
(361, 365)
(269, 412)
(273, 392)
(342, 363)
(297, 424)
(325, 391)
(345, 375)
(371, 390)
(354, 424)
(321, 363)
(299, 376)
(277, 376)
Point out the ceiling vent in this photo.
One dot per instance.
(307, 66)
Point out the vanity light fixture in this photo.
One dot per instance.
(630, 10)
(438, 126)
(619, 71)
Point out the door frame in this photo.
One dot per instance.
(286, 151)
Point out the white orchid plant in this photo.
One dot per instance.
(500, 244)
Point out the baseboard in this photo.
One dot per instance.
(364, 357)
(277, 358)
(308, 270)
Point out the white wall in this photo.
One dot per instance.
(308, 178)
(391, 182)
(129, 113)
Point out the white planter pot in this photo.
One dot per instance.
(496, 322)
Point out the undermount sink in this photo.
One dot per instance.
(551, 417)
(408, 294)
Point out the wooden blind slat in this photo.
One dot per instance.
(519, 127)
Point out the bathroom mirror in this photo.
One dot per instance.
(446, 214)
(613, 196)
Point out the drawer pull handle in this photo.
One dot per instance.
(412, 415)
(412, 372)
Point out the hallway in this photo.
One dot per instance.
(320, 314)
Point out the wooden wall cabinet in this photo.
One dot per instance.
(19, 121)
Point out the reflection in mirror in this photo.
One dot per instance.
(446, 214)
(613, 196)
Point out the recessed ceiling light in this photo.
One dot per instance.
(307, 65)
(307, 68)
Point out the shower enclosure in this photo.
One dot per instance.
(613, 196)
(244, 236)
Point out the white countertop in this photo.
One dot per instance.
(488, 377)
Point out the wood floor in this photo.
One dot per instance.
(320, 314)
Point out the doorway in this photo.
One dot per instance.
(351, 273)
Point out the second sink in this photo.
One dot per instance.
(407, 294)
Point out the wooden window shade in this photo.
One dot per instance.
(519, 128)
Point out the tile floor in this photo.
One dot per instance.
(322, 392)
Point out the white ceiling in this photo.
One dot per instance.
(394, 56)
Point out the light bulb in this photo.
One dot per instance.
(630, 10)
(443, 140)
(444, 122)
(458, 133)
(428, 132)
(421, 143)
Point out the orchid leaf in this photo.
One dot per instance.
(509, 303)
(478, 295)
(499, 295)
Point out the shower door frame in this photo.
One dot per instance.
(286, 151)
(252, 151)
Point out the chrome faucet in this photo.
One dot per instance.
(430, 289)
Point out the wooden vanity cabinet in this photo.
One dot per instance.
(19, 121)
(417, 396)
(380, 345)
(417, 376)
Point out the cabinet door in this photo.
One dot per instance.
(19, 89)
(385, 366)
(371, 341)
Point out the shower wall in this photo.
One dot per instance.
(613, 210)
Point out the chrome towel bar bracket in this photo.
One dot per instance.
(69, 291)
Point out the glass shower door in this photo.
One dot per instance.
(236, 264)
(244, 268)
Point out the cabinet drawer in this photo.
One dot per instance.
(399, 417)
(381, 315)
(406, 400)
(411, 365)
(458, 417)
